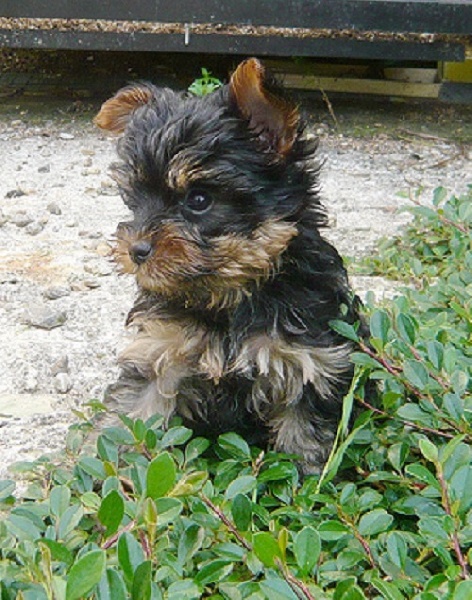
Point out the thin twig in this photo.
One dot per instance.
(423, 428)
(298, 587)
(455, 539)
(111, 541)
(229, 524)
(330, 107)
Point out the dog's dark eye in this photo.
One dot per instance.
(198, 201)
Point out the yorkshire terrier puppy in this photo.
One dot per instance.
(237, 287)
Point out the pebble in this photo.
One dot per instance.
(66, 136)
(45, 317)
(30, 383)
(54, 208)
(55, 292)
(62, 383)
(21, 218)
(60, 366)
(3, 218)
(15, 193)
(34, 228)
(45, 169)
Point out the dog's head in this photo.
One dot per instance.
(216, 185)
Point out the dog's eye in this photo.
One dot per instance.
(198, 201)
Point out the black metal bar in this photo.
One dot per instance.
(414, 16)
(233, 44)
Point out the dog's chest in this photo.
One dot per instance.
(173, 353)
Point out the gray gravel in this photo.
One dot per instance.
(62, 306)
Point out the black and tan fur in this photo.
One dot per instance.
(236, 285)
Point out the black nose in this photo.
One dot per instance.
(140, 251)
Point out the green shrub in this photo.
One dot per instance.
(176, 517)
(205, 84)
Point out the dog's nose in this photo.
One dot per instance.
(140, 251)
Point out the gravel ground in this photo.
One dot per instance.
(62, 306)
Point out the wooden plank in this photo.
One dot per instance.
(378, 87)
(429, 16)
(233, 44)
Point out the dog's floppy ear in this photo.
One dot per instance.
(115, 113)
(272, 118)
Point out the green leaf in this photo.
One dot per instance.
(276, 588)
(439, 195)
(241, 485)
(142, 588)
(435, 354)
(406, 328)
(307, 549)
(69, 521)
(7, 487)
(185, 589)
(119, 436)
(380, 326)
(429, 450)
(266, 548)
(93, 466)
(415, 372)
(460, 486)
(85, 574)
(463, 591)
(213, 571)
(168, 509)
(277, 472)
(111, 512)
(195, 448)
(397, 549)
(332, 531)
(107, 449)
(344, 329)
(176, 436)
(23, 528)
(241, 511)
(374, 522)
(235, 446)
(59, 552)
(389, 591)
(130, 555)
(423, 474)
(161, 475)
(111, 586)
(190, 542)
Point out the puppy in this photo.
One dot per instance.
(236, 285)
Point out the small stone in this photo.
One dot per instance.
(15, 193)
(104, 249)
(44, 169)
(91, 284)
(55, 292)
(62, 383)
(54, 208)
(66, 136)
(34, 228)
(30, 383)
(3, 218)
(21, 219)
(44, 317)
(60, 366)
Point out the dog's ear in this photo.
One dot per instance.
(115, 113)
(272, 118)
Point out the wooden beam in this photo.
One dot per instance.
(418, 16)
(379, 87)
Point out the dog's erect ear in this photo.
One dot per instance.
(273, 119)
(116, 112)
